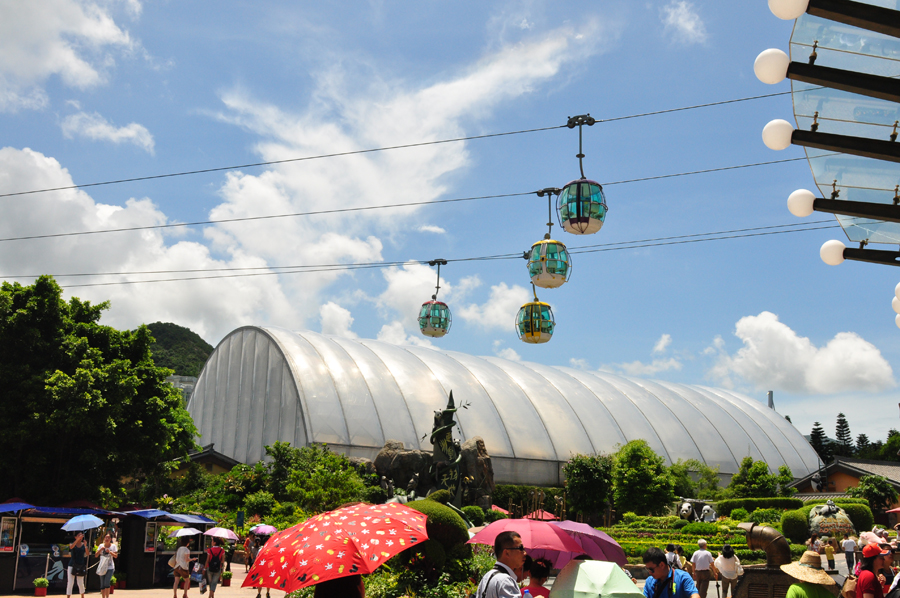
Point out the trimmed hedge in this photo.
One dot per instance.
(700, 529)
(475, 514)
(860, 516)
(443, 524)
(724, 507)
(766, 515)
(739, 514)
(795, 524)
(848, 500)
(492, 516)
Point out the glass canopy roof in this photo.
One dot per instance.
(855, 178)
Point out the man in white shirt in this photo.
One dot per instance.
(500, 582)
(704, 569)
(849, 547)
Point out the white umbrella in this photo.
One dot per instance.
(221, 532)
(185, 531)
(82, 523)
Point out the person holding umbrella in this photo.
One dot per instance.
(664, 581)
(500, 582)
(811, 578)
(77, 564)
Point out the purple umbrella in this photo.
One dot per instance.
(263, 529)
(594, 543)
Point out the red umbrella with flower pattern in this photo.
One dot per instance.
(348, 541)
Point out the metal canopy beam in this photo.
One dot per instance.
(873, 256)
(883, 88)
(859, 209)
(845, 144)
(858, 14)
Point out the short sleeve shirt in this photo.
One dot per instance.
(702, 559)
(848, 545)
(678, 584)
(868, 584)
(499, 582)
(808, 590)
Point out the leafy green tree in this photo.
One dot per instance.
(820, 443)
(880, 493)
(862, 443)
(178, 348)
(641, 482)
(285, 459)
(844, 445)
(753, 480)
(81, 405)
(324, 480)
(890, 450)
(588, 482)
(706, 485)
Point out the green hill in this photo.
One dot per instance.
(179, 348)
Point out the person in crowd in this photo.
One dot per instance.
(77, 564)
(868, 585)
(811, 577)
(182, 569)
(539, 573)
(886, 575)
(108, 551)
(212, 569)
(248, 542)
(672, 557)
(726, 565)
(704, 567)
(524, 572)
(848, 545)
(829, 553)
(685, 564)
(628, 573)
(500, 582)
(664, 581)
(814, 544)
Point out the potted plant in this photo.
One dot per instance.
(40, 586)
(120, 580)
(112, 584)
(226, 579)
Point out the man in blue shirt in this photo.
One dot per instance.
(664, 581)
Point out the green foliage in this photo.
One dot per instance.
(521, 495)
(431, 553)
(443, 524)
(860, 515)
(795, 525)
(41, 582)
(66, 379)
(640, 480)
(178, 348)
(227, 574)
(492, 516)
(765, 516)
(753, 480)
(588, 482)
(700, 529)
(724, 507)
(706, 486)
(880, 493)
(739, 514)
(820, 443)
(260, 503)
(323, 480)
(844, 500)
(844, 445)
(474, 514)
(680, 523)
(441, 496)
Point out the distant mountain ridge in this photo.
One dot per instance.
(179, 348)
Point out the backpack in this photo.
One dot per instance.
(214, 564)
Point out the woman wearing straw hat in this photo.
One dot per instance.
(811, 576)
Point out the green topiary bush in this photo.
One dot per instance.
(795, 525)
(724, 507)
(740, 514)
(700, 529)
(443, 524)
(441, 496)
(680, 523)
(765, 515)
(492, 516)
(431, 552)
(475, 514)
(860, 515)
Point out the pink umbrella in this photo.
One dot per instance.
(499, 509)
(263, 530)
(535, 535)
(221, 532)
(542, 515)
(594, 543)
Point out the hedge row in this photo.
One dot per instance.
(636, 549)
(724, 507)
(795, 523)
(845, 500)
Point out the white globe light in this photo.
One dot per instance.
(788, 9)
(771, 66)
(895, 303)
(897, 290)
(832, 252)
(777, 134)
(800, 203)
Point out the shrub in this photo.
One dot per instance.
(41, 582)
(700, 529)
(492, 516)
(443, 524)
(795, 525)
(740, 514)
(860, 515)
(680, 523)
(765, 516)
(724, 507)
(260, 503)
(441, 496)
(475, 514)
(847, 500)
(432, 553)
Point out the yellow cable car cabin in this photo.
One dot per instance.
(535, 323)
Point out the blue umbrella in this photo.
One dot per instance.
(81, 523)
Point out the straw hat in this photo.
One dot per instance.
(809, 569)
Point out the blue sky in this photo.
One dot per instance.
(96, 91)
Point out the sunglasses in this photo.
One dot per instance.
(522, 548)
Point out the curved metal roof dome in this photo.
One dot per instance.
(266, 384)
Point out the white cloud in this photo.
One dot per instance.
(93, 126)
(336, 320)
(500, 309)
(662, 344)
(407, 289)
(430, 228)
(579, 363)
(506, 352)
(682, 22)
(776, 357)
(638, 368)
(68, 38)
(395, 334)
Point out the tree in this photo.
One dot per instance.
(820, 443)
(880, 493)
(588, 482)
(178, 348)
(640, 480)
(753, 480)
(81, 405)
(862, 444)
(844, 445)
(323, 480)
(706, 485)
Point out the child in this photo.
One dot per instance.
(829, 553)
